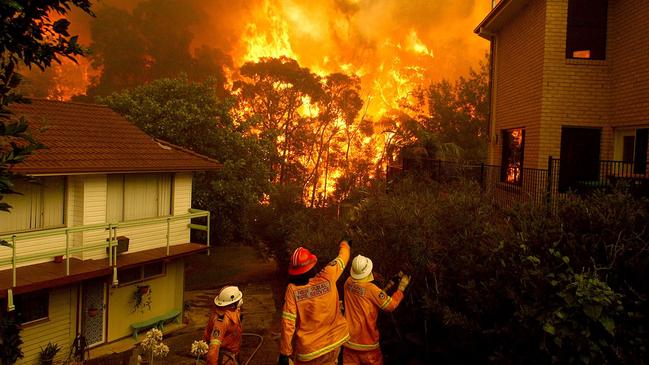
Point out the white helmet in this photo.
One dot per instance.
(227, 296)
(361, 267)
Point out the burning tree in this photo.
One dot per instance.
(30, 35)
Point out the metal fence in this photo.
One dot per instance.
(541, 187)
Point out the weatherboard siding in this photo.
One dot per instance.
(166, 295)
(59, 328)
(86, 204)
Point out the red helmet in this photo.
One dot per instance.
(302, 261)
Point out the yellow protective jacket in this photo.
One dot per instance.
(363, 299)
(311, 315)
(223, 332)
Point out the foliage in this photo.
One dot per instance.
(48, 353)
(141, 298)
(511, 287)
(449, 121)
(31, 36)
(10, 341)
(190, 114)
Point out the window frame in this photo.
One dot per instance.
(25, 296)
(143, 278)
(39, 182)
(592, 31)
(123, 180)
(505, 157)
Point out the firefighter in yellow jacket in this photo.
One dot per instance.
(363, 299)
(223, 330)
(311, 316)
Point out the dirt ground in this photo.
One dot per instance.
(255, 275)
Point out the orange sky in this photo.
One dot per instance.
(393, 45)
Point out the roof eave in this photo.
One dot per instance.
(503, 11)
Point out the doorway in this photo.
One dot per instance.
(580, 152)
(93, 311)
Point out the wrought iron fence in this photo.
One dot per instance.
(542, 187)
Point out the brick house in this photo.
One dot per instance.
(570, 79)
(104, 218)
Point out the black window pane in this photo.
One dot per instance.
(586, 32)
(640, 165)
(32, 306)
(125, 276)
(154, 269)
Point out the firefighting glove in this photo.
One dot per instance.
(283, 360)
(403, 283)
(346, 239)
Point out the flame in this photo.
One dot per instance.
(271, 40)
(393, 46)
(69, 83)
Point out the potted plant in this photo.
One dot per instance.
(143, 289)
(141, 298)
(10, 340)
(93, 312)
(48, 353)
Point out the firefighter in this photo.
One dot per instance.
(311, 315)
(223, 330)
(363, 299)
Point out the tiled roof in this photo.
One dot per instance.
(87, 138)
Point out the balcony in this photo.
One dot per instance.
(96, 256)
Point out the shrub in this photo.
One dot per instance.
(512, 287)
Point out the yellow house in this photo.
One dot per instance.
(570, 79)
(101, 182)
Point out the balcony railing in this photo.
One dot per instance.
(12, 241)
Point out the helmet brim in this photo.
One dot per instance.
(302, 269)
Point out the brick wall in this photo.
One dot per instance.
(536, 87)
(518, 77)
(576, 93)
(629, 50)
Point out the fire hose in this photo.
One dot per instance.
(261, 341)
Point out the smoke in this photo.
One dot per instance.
(393, 45)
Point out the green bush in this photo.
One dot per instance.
(511, 287)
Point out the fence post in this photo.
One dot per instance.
(482, 177)
(548, 189)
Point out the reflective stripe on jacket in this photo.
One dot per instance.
(223, 332)
(363, 299)
(311, 314)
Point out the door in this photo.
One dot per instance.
(579, 156)
(93, 313)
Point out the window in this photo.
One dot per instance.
(137, 196)
(586, 33)
(135, 274)
(512, 156)
(31, 307)
(640, 151)
(41, 205)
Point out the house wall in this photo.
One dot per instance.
(518, 81)
(576, 93)
(166, 295)
(86, 204)
(629, 50)
(59, 328)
